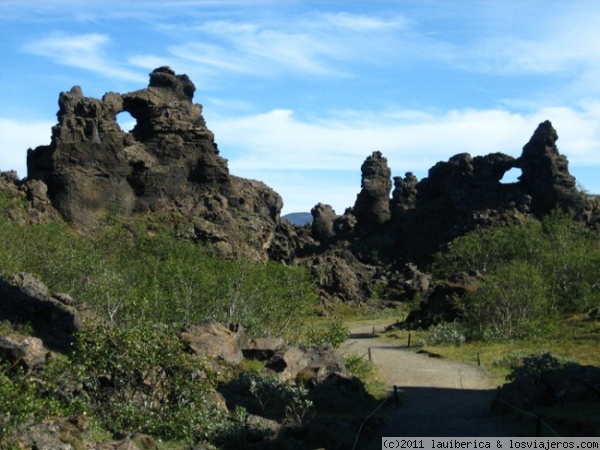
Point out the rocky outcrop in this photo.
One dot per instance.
(341, 276)
(316, 363)
(373, 242)
(404, 196)
(372, 207)
(35, 208)
(25, 299)
(323, 219)
(211, 338)
(168, 162)
(443, 302)
(546, 176)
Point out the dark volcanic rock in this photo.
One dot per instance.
(323, 219)
(341, 276)
(38, 208)
(372, 207)
(24, 299)
(169, 162)
(546, 176)
(404, 196)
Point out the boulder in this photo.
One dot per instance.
(211, 338)
(25, 299)
(314, 362)
(28, 351)
(262, 348)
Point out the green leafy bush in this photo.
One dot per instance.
(139, 379)
(131, 275)
(531, 272)
(333, 333)
(532, 367)
(445, 333)
(511, 303)
(21, 400)
(277, 399)
(359, 366)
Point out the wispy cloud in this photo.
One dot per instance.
(314, 44)
(83, 51)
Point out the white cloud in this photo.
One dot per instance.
(16, 137)
(83, 51)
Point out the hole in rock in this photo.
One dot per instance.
(126, 121)
(511, 176)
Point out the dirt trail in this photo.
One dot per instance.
(439, 397)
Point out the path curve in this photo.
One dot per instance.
(439, 397)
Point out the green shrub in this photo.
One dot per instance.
(532, 272)
(139, 379)
(359, 366)
(332, 333)
(277, 399)
(445, 333)
(532, 367)
(130, 275)
(511, 303)
(22, 401)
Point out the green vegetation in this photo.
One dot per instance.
(139, 379)
(133, 275)
(533, 274)
(129, 371)
(574, 338)
(332, 332)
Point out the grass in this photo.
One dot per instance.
(577, 338)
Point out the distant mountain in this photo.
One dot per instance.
(299, 218)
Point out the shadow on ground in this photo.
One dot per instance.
(444, 412)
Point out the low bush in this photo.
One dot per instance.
(532, 273)
(130, 275)
(21, 401)
(444, 334)
(333, 333)
(139, 379)
(359, 366)
(532, 367)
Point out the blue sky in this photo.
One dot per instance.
(299, 93)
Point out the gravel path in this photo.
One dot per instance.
(439, 397)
